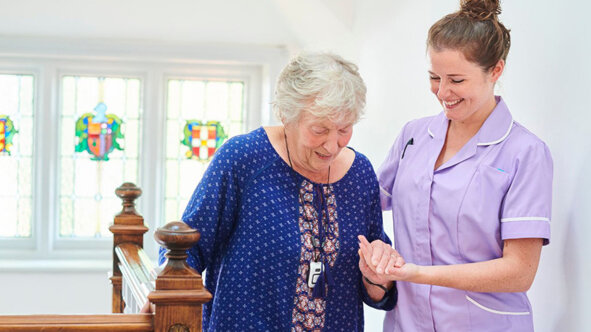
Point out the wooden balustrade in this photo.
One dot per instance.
(78, 323)
(177, 292)
(128, 227)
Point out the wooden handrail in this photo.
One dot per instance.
(139, 277)
(71, 323)
(128, 227)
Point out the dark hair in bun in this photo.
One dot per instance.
(480, 10)
(475, 30)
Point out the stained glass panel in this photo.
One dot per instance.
(201, 114)
(100, 137)
(16, 154)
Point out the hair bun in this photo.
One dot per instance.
(480, 10)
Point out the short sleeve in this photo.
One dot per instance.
(387, 171)
(212, 209)
(527, 207)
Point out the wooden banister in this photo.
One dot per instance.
(179, 290)
(128, 227)
(139, 277)
(71, 323)
(178, 294)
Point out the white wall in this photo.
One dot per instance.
(545, 84)
(63, 292)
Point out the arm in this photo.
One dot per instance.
(513, 272)
(377, 292)
(524, 228)
(376, 286)
(212, 210)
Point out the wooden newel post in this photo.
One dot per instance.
(179, 290)
(128, 226)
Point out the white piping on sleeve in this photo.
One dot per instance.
(525, 219)
(385, 192)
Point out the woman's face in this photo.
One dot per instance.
(318, 141)
(465, 91)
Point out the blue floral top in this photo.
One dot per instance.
(258, 221)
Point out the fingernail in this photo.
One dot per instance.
(380, 270)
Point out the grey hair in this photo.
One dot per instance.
(323, 84)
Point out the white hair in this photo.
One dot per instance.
(323, 84)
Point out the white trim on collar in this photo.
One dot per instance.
(500, 139)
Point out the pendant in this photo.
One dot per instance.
(316, 242)
(314, 273)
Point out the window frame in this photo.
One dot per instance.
(49, 60)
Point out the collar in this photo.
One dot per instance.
(493, 131)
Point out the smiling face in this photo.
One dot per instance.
(462, 87)
(314, 143)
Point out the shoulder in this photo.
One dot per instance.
(522, 149)
(422, 126)
(362, 170)
(415, 132)
(246, 150)
(522, 141)
(522, 135)
(249, 141)
(361, 160)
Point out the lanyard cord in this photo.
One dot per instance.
(319, 207)
(325, 279)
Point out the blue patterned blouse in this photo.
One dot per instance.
(258, 218)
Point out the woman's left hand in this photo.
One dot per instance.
(376, 259)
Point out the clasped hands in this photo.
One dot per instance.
(381, 264)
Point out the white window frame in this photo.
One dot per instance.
(48, 60)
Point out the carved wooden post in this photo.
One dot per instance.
(128, 226)
(179, 290)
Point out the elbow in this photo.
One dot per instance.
(524, 282)
(523, 287)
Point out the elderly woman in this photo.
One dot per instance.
(280, 208)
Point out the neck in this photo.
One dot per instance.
(470, 126)
(293, 163)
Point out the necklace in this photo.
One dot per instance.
(319, 275)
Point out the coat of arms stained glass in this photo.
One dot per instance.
(7, 132)
(203, 139)
(98, 134)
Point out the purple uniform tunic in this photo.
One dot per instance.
(497, 187)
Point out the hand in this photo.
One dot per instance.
(376, 258)
(147, 308)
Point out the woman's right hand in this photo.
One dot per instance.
(376, 259)
(148, 308)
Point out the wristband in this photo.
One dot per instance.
(374, 284)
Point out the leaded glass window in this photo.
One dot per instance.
(100, 139)
(201, 114)
(16, 154)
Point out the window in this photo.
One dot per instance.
(76, 125)
(201, 114)
(16, 153)
(95, 155)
